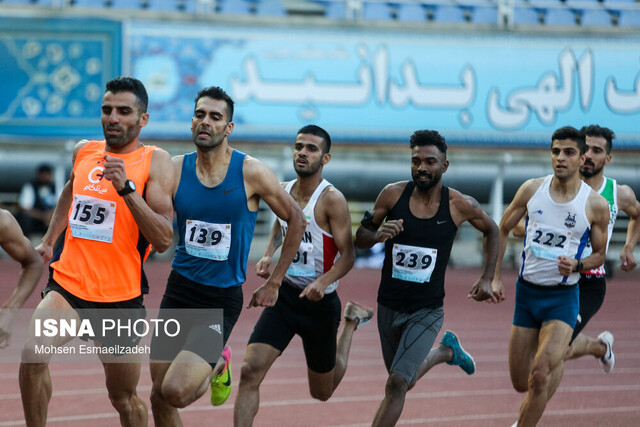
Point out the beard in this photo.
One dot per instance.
(426, 185)
(210, 143)
(309, 170)
(123, 138)
(588, 173)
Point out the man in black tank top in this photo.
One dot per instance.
(417, 221)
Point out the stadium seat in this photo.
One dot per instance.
(335, 10)
(411, 12)
(595, 18)
(235, 7)
(125, 4)
(448, 14)
(376, 12)
(162, 5)
(525, 15)
(89, 4)
(484, 15)
(629, 18)
(271, 8)
(559, 17)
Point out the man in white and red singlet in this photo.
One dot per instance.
(308, 304)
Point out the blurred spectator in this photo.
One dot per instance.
(37, 201)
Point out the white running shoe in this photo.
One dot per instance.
(608, 361)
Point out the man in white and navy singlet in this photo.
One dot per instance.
(216, 194)
(308, 304)
(417, 220)
(592, 283)
(562, 214)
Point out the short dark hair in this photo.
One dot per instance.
(215, 92)
(133, 85)
(601, 132)
(44, 167)
(569, 132)
(428, 137)
(319, 132)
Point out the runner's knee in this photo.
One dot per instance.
(396, 386)
(251, 374)
(538, 379)
(176, 395)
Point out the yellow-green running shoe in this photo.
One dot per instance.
(221, 383)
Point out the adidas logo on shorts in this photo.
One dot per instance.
(216, 327)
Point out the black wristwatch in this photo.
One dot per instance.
(129, 187)
(579, 267)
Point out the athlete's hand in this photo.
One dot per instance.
(482, 291)
(566, 265)
(314, 291)
(114, 171)
(498, 290)
(265, 296)
(263, 266)
(628, 261)
(389, 230)
(45, 251)
(5, 327)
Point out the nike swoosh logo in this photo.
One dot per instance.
(228, 381)
(229, 191)
(440, 222)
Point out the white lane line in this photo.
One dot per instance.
(376, 398)
(512, 416)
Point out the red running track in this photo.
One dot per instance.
(444, 397)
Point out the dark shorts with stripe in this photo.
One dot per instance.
(196, 333)
(537, 304)
(122, 311)
(592, 291)
(407, 338)
(316, 322)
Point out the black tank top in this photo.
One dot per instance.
(410, 256)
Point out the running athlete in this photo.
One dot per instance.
(592, 283)
(417, 220)
(117, 202)
(562, 214)
(18, 247)
(308, 305)
(216, 194)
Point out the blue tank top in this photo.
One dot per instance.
(215, 226)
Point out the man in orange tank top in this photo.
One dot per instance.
(116, 204)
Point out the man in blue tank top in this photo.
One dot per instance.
(216, 194)
(417, 220)
(562, 214)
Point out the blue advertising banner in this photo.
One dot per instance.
(489, 89)
(53, 73)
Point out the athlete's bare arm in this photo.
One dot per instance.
(466, 208)
(19, 248)
(154, 213)
(598, 215)
(334, 207)
(628, 204)
(516, 210)
(366, 237)
(60, 217)
(261, 183)
(263, 266)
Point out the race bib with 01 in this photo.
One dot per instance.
(207, 240)
(92, 218)
(413, 263)
(548, 242)
(302, 264)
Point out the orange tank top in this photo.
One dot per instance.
(104, 250)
